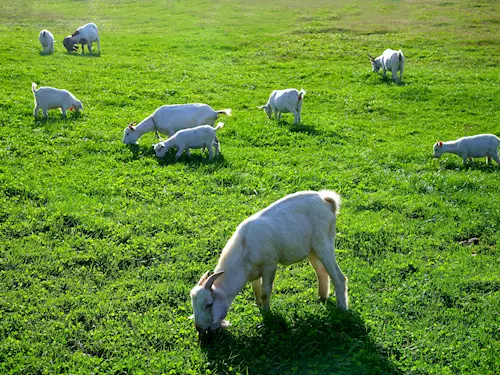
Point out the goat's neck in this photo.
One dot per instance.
(145, 126)
(451, 146)
(234, 279)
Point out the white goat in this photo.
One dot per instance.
(46, 39)
(471, 147)
(171, 118)
(284, 101)
(85, 34)
(298, 226)
(49, 98)
(185, 139)
(390, 60)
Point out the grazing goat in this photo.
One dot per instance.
(46, 39)
(85, 34)
(169, 119)
(284, 101)
(49, 98)
(185, 139)
(390, 60)
(298, 226)
(471, 147)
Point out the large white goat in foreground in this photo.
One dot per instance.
(390, 60)
(169, 119)
(298, 226)
(471, 147)
(285, 101)
(86, 34)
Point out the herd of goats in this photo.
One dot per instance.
(296, 227)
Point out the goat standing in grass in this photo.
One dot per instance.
(298, 226)
(50, 98)
(285, 101)
(390, 60)
(471, 147)
(46, 39)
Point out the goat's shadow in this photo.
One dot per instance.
(299, 128)
(194, 161)
(86, 54)
(479, 164)
(337, 343)
(55, 117)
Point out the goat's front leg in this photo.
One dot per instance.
(179, 153)
(89, 46)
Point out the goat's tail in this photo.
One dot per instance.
(400, 55)
(301, 94)
(224, 112)
(33, 87)
(220, 125)
(332, 198)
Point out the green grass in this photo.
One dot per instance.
(100, 243)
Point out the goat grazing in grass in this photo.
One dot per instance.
(169, 119)
(390, 60)
(198, 137)
(284, 101)
(86, 34)
(298, 226)
(50, 98)
(471, 147)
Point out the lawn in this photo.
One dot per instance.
(101, 242)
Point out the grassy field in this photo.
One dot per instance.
(100, 243)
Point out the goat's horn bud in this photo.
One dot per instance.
(211, 279)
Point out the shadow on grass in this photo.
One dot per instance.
(479, 164)
(54, 117)
(299, 128)
(194, 161)
(338, 343)
(79, 54)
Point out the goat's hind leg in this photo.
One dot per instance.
(325, 251)
(257, 291)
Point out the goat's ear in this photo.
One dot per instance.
(191, 317)
(203, 278)
(219, 309)
(75, 33)
(440, 144)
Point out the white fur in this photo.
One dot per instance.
(47, 41)
(86, 34)
(198, 137)
(390, 60)
(298, 226)
(50, 98)
(169, 119)
(285, 101)
(471, 147)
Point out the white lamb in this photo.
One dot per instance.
(284, 101)
(168, 119)
(47, 41)
(86, 34)
(198, 137)
(390, 60)
(50, 98)
(471, 147)
(298, 226)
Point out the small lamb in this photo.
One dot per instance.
(198, 137)
(284, 101)
(47, 41)
(85, 34)
(471, 147)
(49, 98)
(390, 60)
